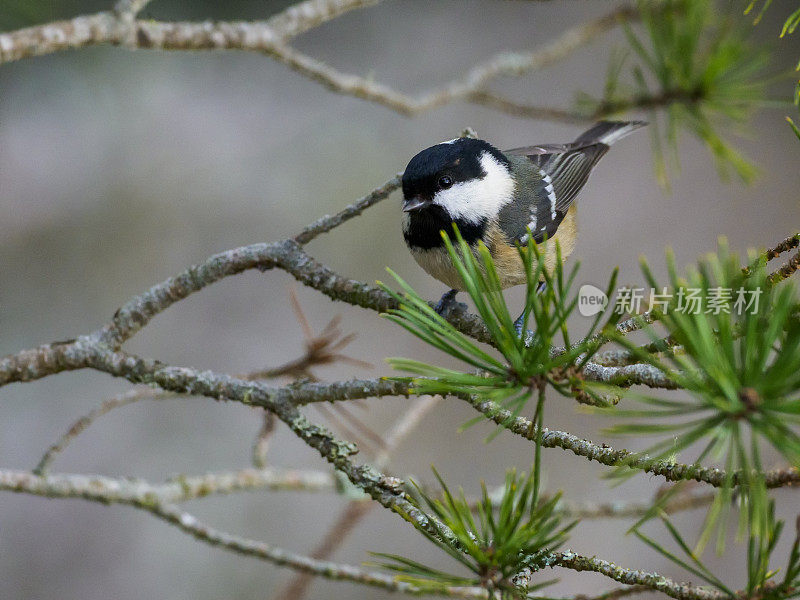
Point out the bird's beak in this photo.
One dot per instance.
(411, 204)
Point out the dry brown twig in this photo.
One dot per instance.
(321, 349)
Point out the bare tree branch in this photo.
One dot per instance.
(117, 27)
(284, 401)
(270, 37)
(288, 256)
(159, 500)
(189, 524)
(181, 489)
(356, 510)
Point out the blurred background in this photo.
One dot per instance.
(119, 168)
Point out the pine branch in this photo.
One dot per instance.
(608, 456)
(673, 589)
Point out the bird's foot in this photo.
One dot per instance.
(448, 303)
(528, 336)
(519, 324)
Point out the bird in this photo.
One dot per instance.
(500, 198)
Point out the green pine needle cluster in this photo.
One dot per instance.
(694, 565)
(762, 580)
(789, 25)
(498, 538)
(700, 69)
(526, 364)
(741, 367)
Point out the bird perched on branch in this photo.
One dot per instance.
(498, 198)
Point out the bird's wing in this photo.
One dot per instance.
(535, 210)
(560, 171)
(569, 165)
(566, 165)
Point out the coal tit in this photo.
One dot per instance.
(497, 198)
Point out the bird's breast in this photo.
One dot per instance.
(436, 263)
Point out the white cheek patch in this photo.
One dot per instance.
(478, 199)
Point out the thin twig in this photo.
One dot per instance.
(304, 16)
(332, 571)
(118, 28)
(284, 402)
(82, 424)
(183, 380)
(602, 110)
(49, 359)
(160, 500)
(263, 438)
(626, 510)
(329, 222)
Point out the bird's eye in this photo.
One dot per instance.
(445, 182)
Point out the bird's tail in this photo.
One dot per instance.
(608, 132)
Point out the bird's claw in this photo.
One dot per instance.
(528, 336)
(448, 304)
